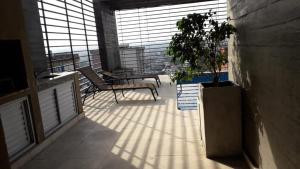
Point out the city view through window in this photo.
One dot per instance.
(70, 35)
(144, 34)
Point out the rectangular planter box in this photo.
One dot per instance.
(220, 117)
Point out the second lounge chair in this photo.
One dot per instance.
(132, 77)
(98, 84)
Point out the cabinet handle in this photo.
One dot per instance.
(56, 105)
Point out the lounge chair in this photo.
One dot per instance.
(131, 77)
(98, 84)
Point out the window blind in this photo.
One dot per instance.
(144, 33)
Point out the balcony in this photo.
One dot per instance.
(136, 133)
(48, 37)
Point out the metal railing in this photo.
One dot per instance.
(70, 35)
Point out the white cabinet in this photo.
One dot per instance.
(17, 126)
(57, 105)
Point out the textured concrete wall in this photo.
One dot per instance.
(34, 35)
(264, 60)
(107, 36)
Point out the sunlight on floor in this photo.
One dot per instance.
(152, 134)
(137, 133)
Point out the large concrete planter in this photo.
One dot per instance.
(220, 114)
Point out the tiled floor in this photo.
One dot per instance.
(137, 133)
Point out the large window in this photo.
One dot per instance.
(69, 33)
(144, 34)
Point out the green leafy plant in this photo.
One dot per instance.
(198, 44)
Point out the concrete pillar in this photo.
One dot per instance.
(107, 36)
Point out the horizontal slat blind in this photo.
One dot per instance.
(144, 33)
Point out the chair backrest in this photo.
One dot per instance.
(109, 74)
(92, 76)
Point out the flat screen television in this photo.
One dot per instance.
(12, 68)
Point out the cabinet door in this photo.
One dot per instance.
(66, 101)
(49, 109)
(16, 121)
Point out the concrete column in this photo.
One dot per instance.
(107, 36)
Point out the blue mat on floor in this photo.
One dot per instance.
(188, 91)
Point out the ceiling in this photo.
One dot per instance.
(131, 4)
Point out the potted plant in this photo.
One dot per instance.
(199, 45)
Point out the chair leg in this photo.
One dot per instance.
(86, 92)
(157, 82)
(84, 99)
(123, 93)
(94, 93)
(153, 94)
(115, 96)
(156, 91)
